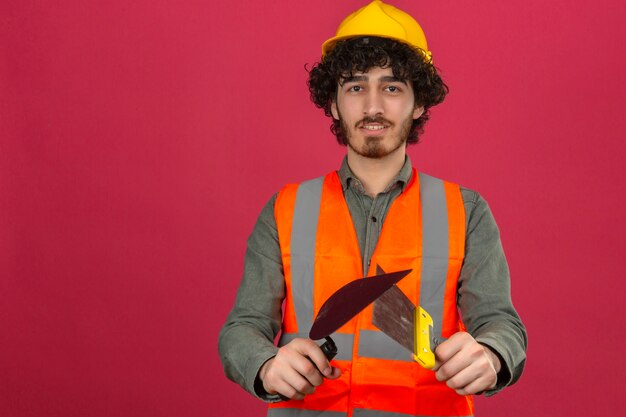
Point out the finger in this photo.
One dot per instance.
(452, 366)
(464, 377)
(288, 391)
(308, 370)
(317, 357)
(477, 386)
(292, 371)
(450, 347)
(471, 353)
(281, 377)
(277, 381)
(476, 377)
(297, 381)
(335, 373)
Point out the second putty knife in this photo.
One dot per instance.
(410, 326)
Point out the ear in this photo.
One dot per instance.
(417, 112)
(333, 110)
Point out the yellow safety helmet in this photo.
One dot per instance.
(382, 20)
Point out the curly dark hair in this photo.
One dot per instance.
(361, 54)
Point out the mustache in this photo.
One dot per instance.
(376, 119)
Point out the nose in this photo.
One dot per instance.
(373, 104)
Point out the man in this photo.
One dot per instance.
(377, 82)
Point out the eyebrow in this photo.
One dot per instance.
(385, 79)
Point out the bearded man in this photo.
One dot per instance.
(377, 82)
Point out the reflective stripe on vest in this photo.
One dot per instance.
(303, 232)
(357, 412)
(434, 248)
(424, 230)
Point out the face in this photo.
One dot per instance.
(376, 111)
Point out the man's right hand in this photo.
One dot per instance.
(295, 370)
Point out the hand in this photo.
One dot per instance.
(295, 370)
(467, 366)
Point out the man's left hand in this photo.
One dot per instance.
(467, 366)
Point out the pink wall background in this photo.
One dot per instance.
(139, 140)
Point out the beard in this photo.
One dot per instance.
(375, 147)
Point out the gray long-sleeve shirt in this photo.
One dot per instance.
(246, 340)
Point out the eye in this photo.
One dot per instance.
(355, 88)
(392, 89)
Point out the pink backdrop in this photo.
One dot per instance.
(139, 140)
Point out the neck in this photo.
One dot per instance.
(376, 174)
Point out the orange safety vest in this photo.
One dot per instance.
(424, 230)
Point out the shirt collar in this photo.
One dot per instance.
(348, 179)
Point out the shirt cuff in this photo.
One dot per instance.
(257, 385)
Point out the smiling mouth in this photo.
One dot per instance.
(373, 127)
(374, 124)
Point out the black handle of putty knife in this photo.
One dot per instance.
(329, 348)
(330, 351)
